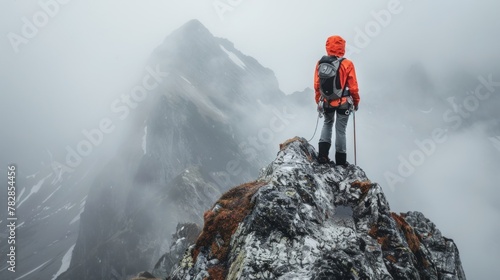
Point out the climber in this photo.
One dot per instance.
(335, 94)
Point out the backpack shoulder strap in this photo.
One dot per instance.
(337, 78)
(330, 59)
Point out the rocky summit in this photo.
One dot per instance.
(302, 220)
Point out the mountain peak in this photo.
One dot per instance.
(301, 220)
(191, 32)
(191, 40)
(193, 27)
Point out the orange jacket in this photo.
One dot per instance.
(335, 45)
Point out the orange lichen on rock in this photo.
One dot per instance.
(391, 258)
(222, 221)
(411, 237)
(373, 231)
(287, 142)
(364, 186)
(382, 240)
(216, 273)
(301, 140)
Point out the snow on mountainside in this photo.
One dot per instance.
(301, 220)
(49, 205)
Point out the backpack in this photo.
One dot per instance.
(329, 82)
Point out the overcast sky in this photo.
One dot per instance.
(59, 73)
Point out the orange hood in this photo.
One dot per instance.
(335, 45)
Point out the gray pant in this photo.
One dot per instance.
(340, 128)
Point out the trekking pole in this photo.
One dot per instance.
(354, 123)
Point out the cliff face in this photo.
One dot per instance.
(301, 220)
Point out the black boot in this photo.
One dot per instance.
(340, 158)
(323, 150)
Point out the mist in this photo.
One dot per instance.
(65, 75)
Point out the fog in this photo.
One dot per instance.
(61, 77)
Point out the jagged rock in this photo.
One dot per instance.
(442, 252)
(144, 275)
(301, 220)
(185, 235)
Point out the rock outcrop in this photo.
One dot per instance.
(185, 235)
(301, 220)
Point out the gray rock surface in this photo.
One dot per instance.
(308, 221)
(185, 235)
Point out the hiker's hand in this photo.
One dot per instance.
(320, 108)
(356, 107)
